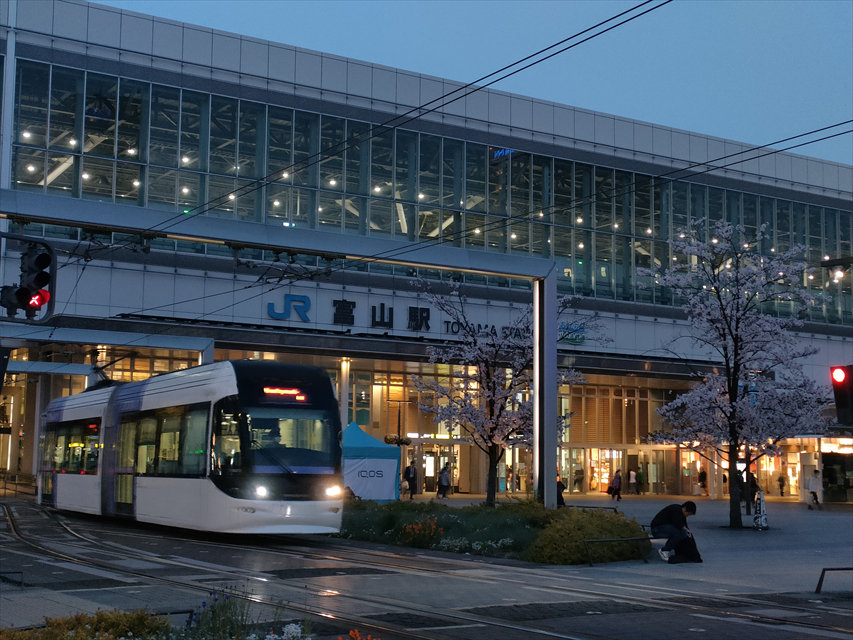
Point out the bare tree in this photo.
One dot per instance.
(758, 393)
(490, 396)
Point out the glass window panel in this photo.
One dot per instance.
(332, 147)
(165, 116)
(750, 215)
(798, 214)
(642, 205)
(252, 134)
(563, 209)
(190, 191)
(161, 188)
(643, 259)
(519, 237)
(279, 140)
(520, 168)
(475, 177)
(306, 147)
(540, 239)
(583, 262)
(66, 109)
(622, 268)
(715, 207)
(429, 172)
(583, 196)
(221, 197)
(783, 225)
(603, 264)
(100, 124)
(129, 181)
(406, 180)
(451, 228)
(660, 208)
(453, 173)
(733, 213)
(405, 222)
(97, 179)
(223, 136)
(429, 224)
(358, 158)
(765, 213)
(355, 215)
(31, 103)
(661, 260)
(540, 189)
(624, 191)
(29, 165)
(195, 116)
(382, 159)
(303, 208)
(680, 207)
(499, 161)
(496, 234)
(329, 211)
(133, 110)
(62, 172)
(475, 234)
(278, 204)
(381, 218)
(604, 199)
(563, 252)
(698, 208)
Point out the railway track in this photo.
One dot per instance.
(321, 581)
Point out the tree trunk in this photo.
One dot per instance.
(735, 489)
(495, 455)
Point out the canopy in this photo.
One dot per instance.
(371, 467)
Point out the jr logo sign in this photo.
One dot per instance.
(300, 305)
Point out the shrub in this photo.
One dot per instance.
(104, 625)
(561, 542)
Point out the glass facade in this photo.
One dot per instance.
(93, 136)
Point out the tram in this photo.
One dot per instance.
(231, 447)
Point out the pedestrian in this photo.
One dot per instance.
(703, 481)
(410, 475)
(632, 481)
(751, 488)
(813, 486)
(671, 523)
(578, 481)
(781, 481)
(444, 480)
(615, 488)
(561, 502)
(640, 479)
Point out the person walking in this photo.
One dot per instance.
(632, 481)
(616, 486)
(813, 486)
(671, 523)
(410, 475)
(444, 480)
(640, 480)
(781, 481)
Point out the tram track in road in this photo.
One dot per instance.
(396, 618)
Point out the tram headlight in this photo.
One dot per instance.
(261, 491)
(334, 491)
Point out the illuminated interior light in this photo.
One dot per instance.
(285, 175)
(615, 225)
(580, 245)
(131, 152)
(276, 203)
(261, 491)
(681, 235)
(811, 277)
(477, 231)
(513, 236)
(136, 183)
(231, 196)
(26, 134)
(285, 224)
(579, 220)
(185, 190)
(649, 231)
(421, 196)
(320, 209)
(31, 168)
(377, 189)
(826, 257)
(714, 241)
(185, 160)
(72, 143)
(85, 176)
(772, 249)
(839, 274)
(333, 182)
(541, 214)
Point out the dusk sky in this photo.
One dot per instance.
(749, 70)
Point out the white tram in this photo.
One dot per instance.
(232, 447)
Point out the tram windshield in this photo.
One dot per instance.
(285, 440)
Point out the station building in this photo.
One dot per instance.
(212, 196)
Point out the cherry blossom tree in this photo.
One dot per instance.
(489, 399)
(757, 393)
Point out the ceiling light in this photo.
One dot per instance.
(285, 175)
(136, 183)
(31, 168)
(185, 160)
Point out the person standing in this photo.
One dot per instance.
(444, 480)
(671, 523)
(703, 481)
(813, 486)
(632, 481)
(640, 480)
(781, 481)
(410, 475)
(616, 486)
(561, 502)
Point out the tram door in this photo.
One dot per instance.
(47, 469)
(125, 468)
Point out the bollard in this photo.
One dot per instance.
(759, 519)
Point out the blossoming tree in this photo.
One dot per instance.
(489, 399)
(757, 393)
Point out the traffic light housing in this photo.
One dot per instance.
(842, 386)
(30, 299)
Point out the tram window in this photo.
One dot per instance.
(225, 457)
(193, 445)
(170, 443)
(73, 447)
(146, 447)
(290, 440)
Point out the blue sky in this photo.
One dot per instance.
(748, 70)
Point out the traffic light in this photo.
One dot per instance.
(33, 291)
(842, 385)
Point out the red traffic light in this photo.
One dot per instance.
(38, 299)
(838, 374)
